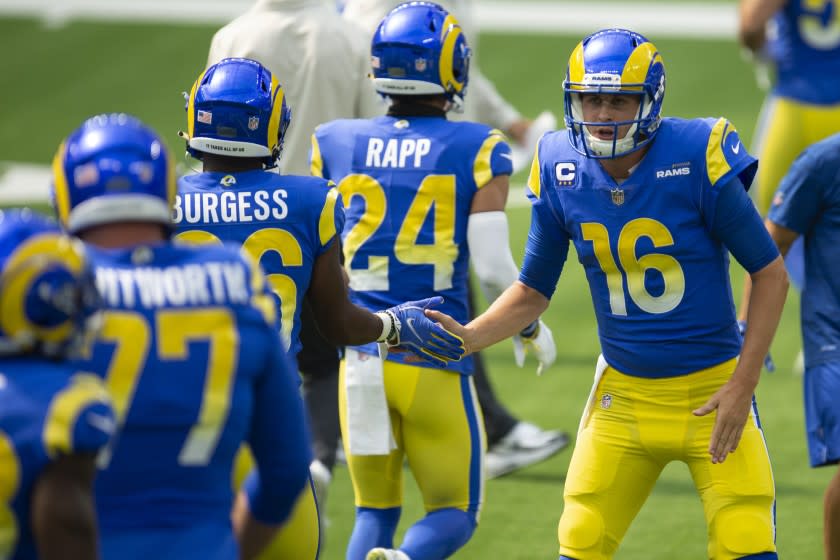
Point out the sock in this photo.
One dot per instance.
(373, 527)
(438, 535)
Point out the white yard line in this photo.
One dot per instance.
(695, 19)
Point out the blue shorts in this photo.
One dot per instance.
(822, 413)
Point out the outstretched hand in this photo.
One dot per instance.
(732, 402)
(420, 335)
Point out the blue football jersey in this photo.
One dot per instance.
(407, 185)
(658, 277)
(284, 221)
(195, 366)
(808, 202)
(805, 47)
(47, 409)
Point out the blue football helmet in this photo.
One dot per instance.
(113, 168)
(420, 49)
(48, 298)
(619, 62)
(236, 108)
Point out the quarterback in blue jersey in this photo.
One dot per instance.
(422, 194)
(237, 118)
(807, 205)
(652, 205)
(191, 356)
(54, 419)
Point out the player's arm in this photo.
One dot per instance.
(339, 320)
(738, 225)
(63, 513)
(279, 441)
(525, 299)
(783, 238)
(753, 16)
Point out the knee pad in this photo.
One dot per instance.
(580, 529)
(740, 533)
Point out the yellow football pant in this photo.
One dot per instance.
(437, 425)
(298, 537)
(785, 128)
(637, 426)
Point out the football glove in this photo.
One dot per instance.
(537, 338)
(411, 330)
(769, 365)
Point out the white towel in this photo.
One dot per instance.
(368, 420)
(600, 368)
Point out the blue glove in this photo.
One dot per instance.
(769, 365)
(412, 330)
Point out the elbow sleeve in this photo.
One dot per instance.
(487, 236)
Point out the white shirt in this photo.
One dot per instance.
(320, 59)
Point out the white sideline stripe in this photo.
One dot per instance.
(24, 183)
(27, 183)
(695, 19)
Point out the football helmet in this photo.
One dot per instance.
(619, 62)
(420, 49)
(113, 168)
(236, 108)
(48, 298)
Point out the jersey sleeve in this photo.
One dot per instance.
(331, 218)
(279, 439)
(798, 201)
(738, 225)
(548, 242)
(80, 418)
(727, 157)
(493, 159)
(316, 162)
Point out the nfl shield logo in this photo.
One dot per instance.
(606, 400)
(253, 123)
(617, 196)
(420, 64)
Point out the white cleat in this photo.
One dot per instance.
(524, 445)
(386, 554)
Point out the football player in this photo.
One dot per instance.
(191, 357)
(237, 120)
(807, 204)
(653, 206)
(422, 196)
(53, 417)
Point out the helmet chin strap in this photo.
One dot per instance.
(605, 147)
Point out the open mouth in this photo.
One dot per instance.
(604, 133)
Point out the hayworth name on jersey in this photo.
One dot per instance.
(230, 206)
(211, 283)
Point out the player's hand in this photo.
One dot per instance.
(536, 338)
(423, 337)
(732, 402)
(769, 364)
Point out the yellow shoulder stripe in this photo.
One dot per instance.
(534, 179)
(84, 390)
(326, 224)
(316, 164)
(716, 164)
(482, 170)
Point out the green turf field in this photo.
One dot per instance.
(55, 78)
